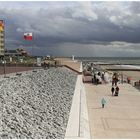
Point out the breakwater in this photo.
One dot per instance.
(36, 105)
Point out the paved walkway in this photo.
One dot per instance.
(121, 116)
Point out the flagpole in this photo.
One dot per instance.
(32, 59)
(4, 64)
(29, 36)
(32, 53)
(4, 51)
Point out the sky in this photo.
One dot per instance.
(80, 28)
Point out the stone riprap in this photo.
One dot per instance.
(36, 104)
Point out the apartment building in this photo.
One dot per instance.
(2, 43)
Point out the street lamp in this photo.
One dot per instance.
(121, 72)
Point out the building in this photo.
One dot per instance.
(12, 53)
(2, 38)
(17, 52)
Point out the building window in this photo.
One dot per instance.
(1, 36)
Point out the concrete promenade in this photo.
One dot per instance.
(121, 116)
(78, 124)
(119, 119)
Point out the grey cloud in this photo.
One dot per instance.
(86, 27)
(135, 7)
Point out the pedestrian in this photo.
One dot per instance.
(100, 79)
(128, 80)
(103, 102)
(112, 90)
(113, 80)
(55, 63)
(117, 91)
(103, 76)
(116, 80)
(95, 80)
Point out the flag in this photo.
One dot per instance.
(28, 36)
(1, 25)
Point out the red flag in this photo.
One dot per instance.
(28, 36)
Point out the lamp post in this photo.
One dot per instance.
(4, 63)
(4, 50)
(121, 72)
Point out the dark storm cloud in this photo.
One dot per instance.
(135, 7)
(80, 28)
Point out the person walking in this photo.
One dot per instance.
(95, 80)
(103, 102)
(128, 80)
(116, 81)
(117, 91)
(112, 90)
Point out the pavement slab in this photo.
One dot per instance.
(121, 116)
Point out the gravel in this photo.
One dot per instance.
(36, 104)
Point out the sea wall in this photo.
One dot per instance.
(78, 124)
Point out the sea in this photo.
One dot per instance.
(112, 60)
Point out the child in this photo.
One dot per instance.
(117, 91)
(103, 102)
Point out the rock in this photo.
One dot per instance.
(37, 105)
